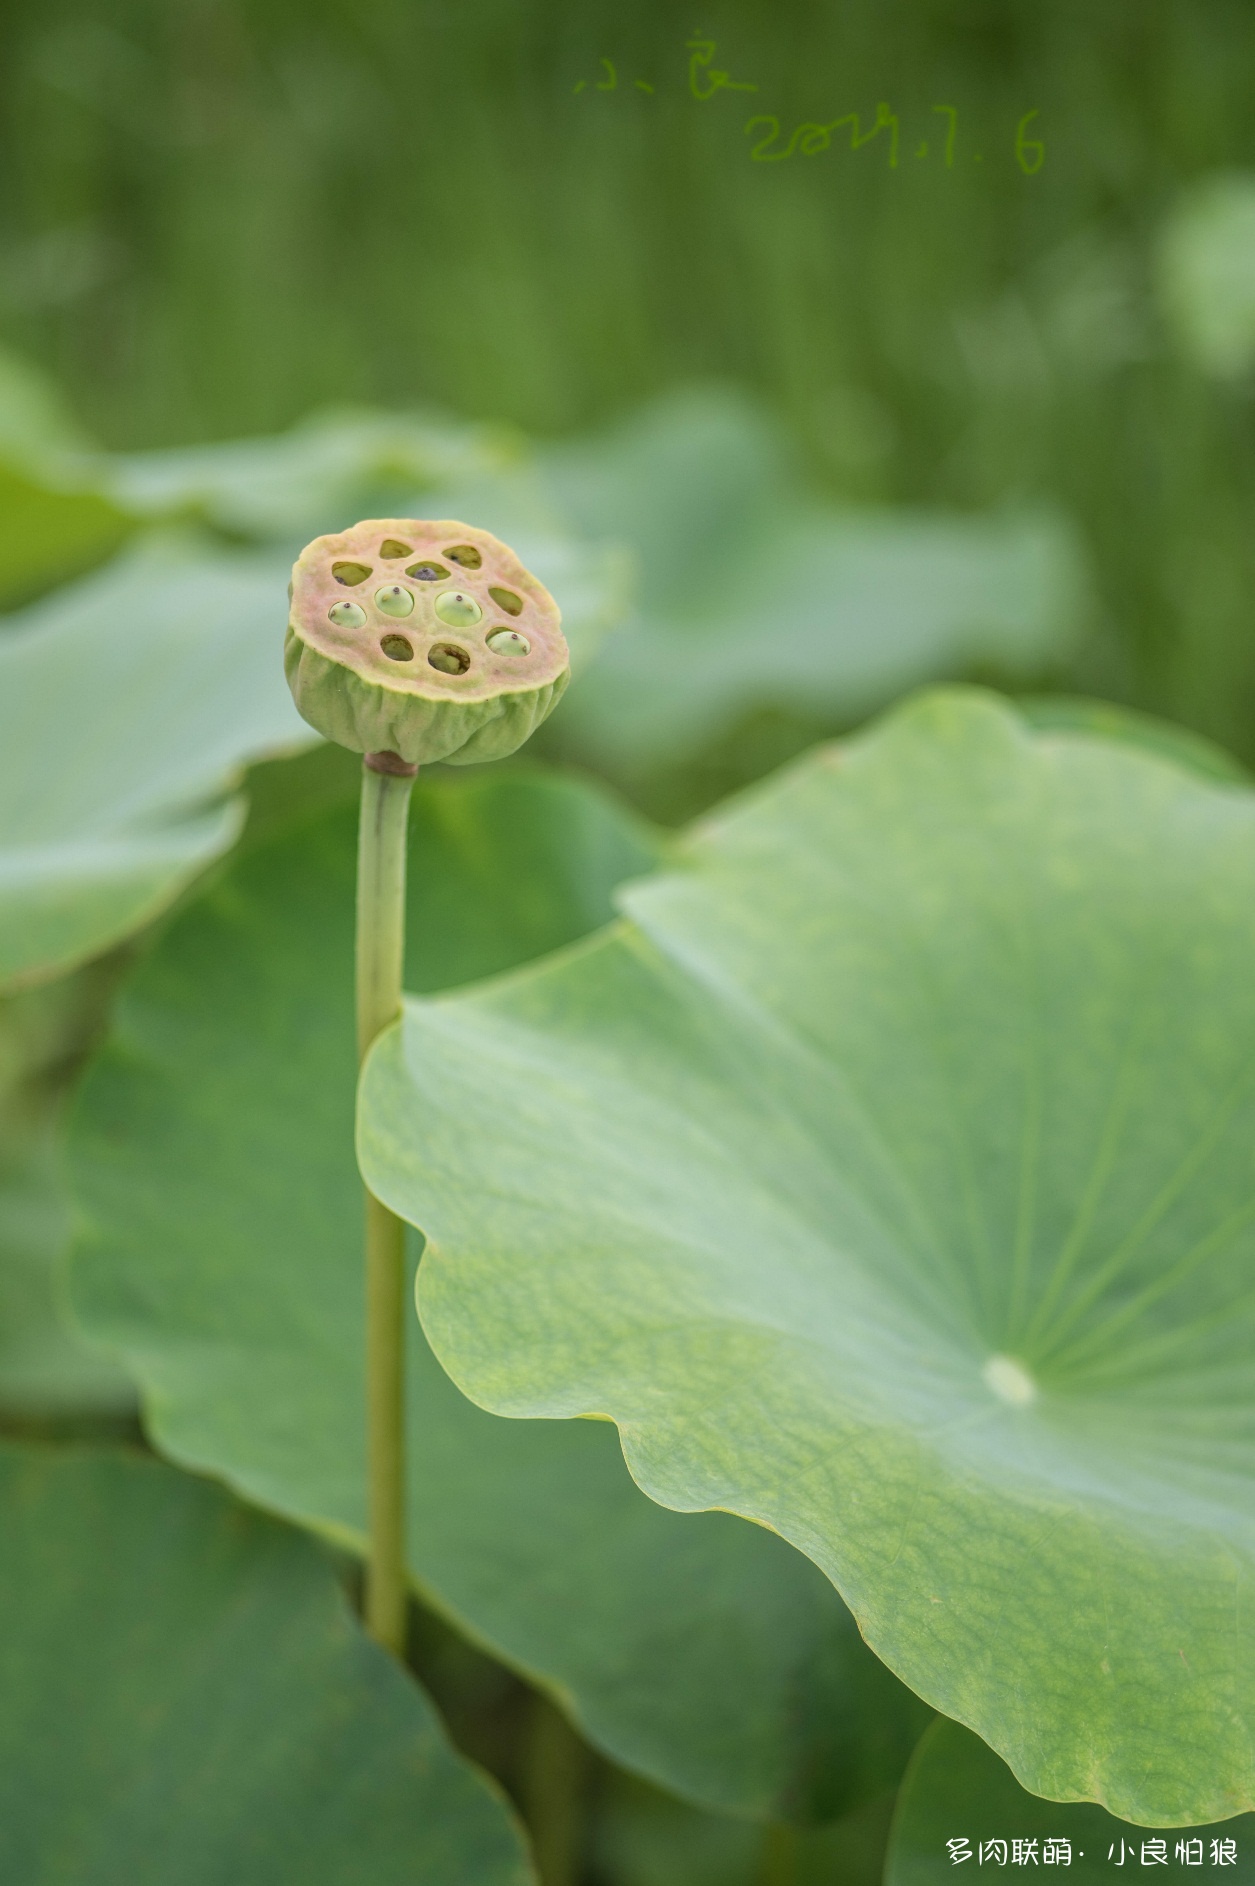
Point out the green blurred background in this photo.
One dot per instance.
(215, 217)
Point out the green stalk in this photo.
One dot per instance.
(555, 1779)
(779, 1864)
(386, 785)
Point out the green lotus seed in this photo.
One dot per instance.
(346, 615)
(449, 660)
(458, 609)
(395, 599)
(509, 642)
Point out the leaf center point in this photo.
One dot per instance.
(1009, 1380)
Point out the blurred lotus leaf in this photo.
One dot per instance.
(212, 1152)
(343, 464)
(958, 1794)
(886, 1176)
(49, 533)
(748, 592)
(46, 1370)
(752, 592)
(36, 423)
(1206, 268)
(65, 504)
(54, 519)
(182, 1677)
(336, 465)
(129, 704)
(592, 578)
(648, 1838)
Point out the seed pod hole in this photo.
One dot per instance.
(465, 554)
(396, 648)
(347, 615)
(458, 609)
(507, 600)
(395, 599)
(509, 642)
(449, 659)
(390, 549)
(350, 574)
(427, 572)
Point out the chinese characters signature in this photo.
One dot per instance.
(1053, 1850)
(702, 52)
(706, 80)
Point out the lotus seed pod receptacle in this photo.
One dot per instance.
(426, 639)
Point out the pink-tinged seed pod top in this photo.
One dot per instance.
(427, 639)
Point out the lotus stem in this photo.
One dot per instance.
(779, 1864)
(555, 1783)
(386, 785)
(408, 640)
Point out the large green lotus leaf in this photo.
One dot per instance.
(888, 1178)
(129, 704)
(1060, 713)
(46, 1369)
(185, 1696)
(752, 593)
(47, 1372)
(961, 1806)
(213, 1153)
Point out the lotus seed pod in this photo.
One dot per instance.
(424, 639)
